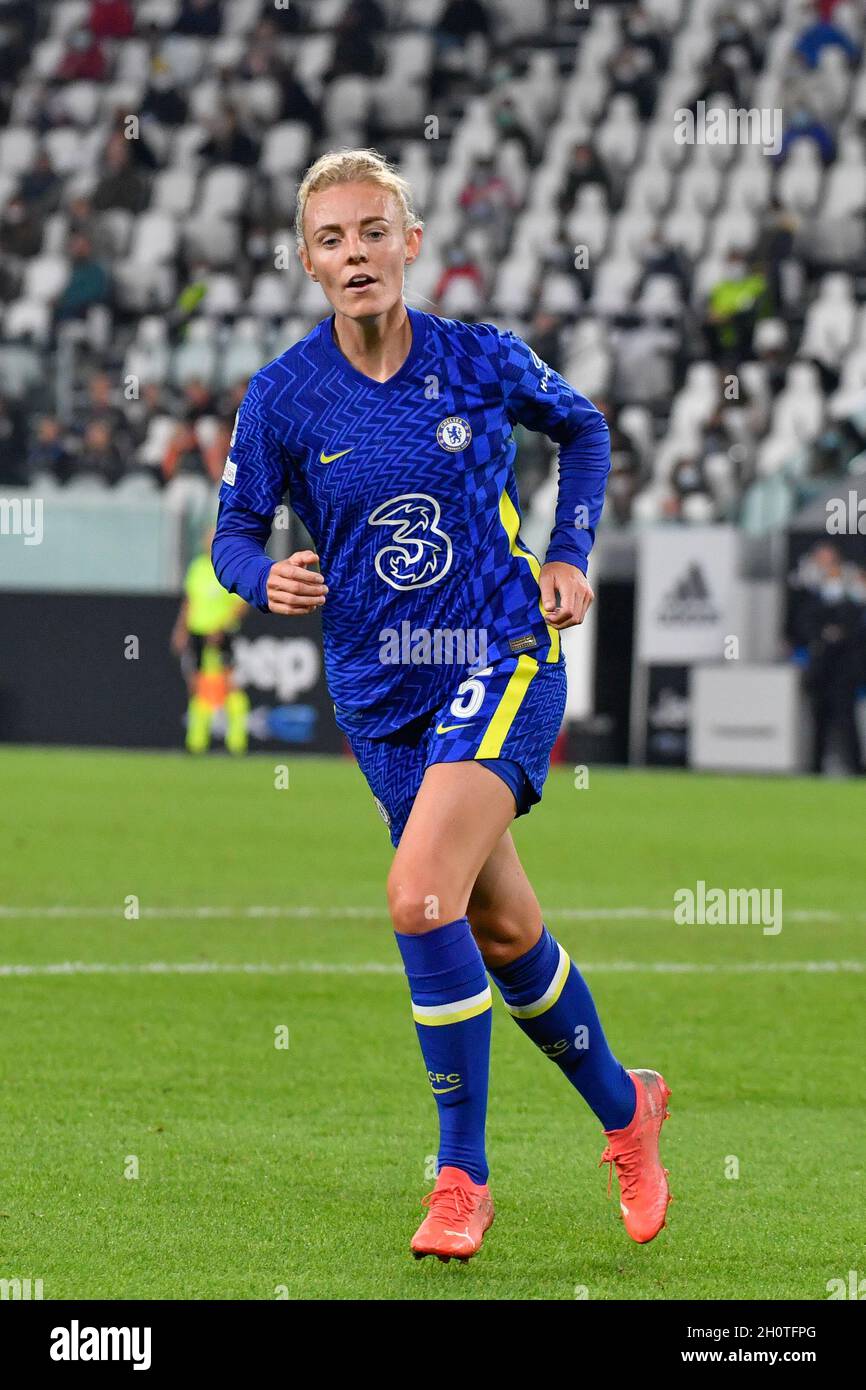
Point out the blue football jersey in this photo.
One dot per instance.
(407, 488)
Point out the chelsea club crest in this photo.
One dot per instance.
(454, 434)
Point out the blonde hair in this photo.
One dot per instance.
(351, 166)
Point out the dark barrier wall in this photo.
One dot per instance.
(97, 669)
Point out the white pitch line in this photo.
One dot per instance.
(78, 967)
(303, 912)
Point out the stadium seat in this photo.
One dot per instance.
(798, 410)
(45, 277)
(221, 192)
(186, 55)
(154, 238)
(196, 358)
(244, 353)
(27, 318)
(286, 148)
(173, 192)
(271, 293)
(614, 284)
(845, 192)
(590, 361)
(241, 16)
(223, 296)
(799, 181)
(830, 321)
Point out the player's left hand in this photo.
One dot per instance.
(574, 594)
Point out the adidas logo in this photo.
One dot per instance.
(688, 600)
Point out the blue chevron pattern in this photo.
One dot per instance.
(405, 529)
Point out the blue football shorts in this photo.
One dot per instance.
(506, 716)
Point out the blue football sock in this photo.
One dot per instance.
(451, 1005)
(550, 1000)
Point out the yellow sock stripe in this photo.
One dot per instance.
(550, 995)
(511, 522)
(503, 717)
(434, 1015)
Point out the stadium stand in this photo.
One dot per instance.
(711, 297)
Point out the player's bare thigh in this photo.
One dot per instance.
(458, 817)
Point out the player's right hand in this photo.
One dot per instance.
(293, 588)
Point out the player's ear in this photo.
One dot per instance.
(413, 244)
(304, 258)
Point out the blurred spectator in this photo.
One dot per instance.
(121, 186)
(687, 477)
(13, 444)
(509, 126)
(820, 35)
(162, 101)
(827, 624)
(153, 400)
(140, 151)
(735, 44)
(661, 258)
(631, 74)
(100, 406)
(81, 220)
(183, 455)
(775, 246)
(217, 452)
(804, 125)
(545, 338)
(197, 400)
(457, 265)
(40, 187)
(99, 454)
(355, 53)
(202, 18)
(88, 282)
(487, 197)
(640, 31)
(84, 60)
(21, 230)
(460, 20)
(274, 23)
(111, 19)
(228, 144)
(296, 104)
(369, 14)
(48, 453)
(585, 167)
(20, 21)
(771, 347)
(625, 468)
(719, 76)
(732, 308)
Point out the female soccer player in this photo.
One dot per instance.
(391, 430)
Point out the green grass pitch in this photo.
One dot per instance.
(297, 1171)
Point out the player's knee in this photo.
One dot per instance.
(414, 906)
(501, 938)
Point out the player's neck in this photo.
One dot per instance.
(377, 346)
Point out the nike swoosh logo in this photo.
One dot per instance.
(446, 728)
(443, 1090)
(329, 458)
(623, 1209)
